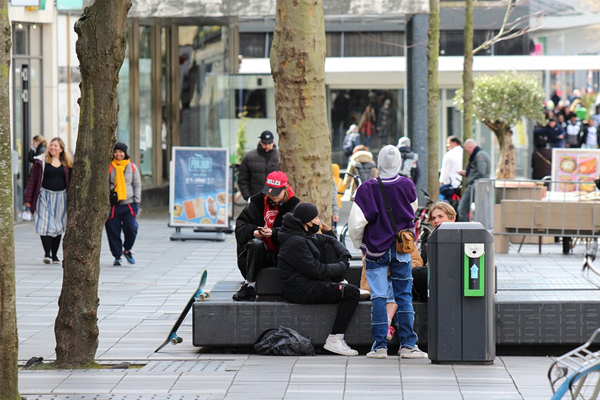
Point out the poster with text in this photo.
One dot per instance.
(200, 187)
(574, 170)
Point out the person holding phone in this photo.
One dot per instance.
(257, 228)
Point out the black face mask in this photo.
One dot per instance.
(313, 229)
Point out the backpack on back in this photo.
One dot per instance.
(409, 162)
(350, 142)
(365, 170)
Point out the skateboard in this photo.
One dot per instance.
(199, 294)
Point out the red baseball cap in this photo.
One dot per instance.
(276, 182)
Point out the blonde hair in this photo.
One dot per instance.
(41, 141)
(444, 207)
(65, 158)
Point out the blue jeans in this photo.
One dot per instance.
(399, 266)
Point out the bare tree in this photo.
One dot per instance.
(433, 96)
(9, 340)
(101, 50)
(298, 67)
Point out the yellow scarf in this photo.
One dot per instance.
(120, 187)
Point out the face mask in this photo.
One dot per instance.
(313, 229)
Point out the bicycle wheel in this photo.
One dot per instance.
(343, 234)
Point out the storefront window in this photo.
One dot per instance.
(353, 107)
(204, 95)
(123, 127)
(145, 90)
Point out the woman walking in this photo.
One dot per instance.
(126, 183)
(38, 147)
(46, 196)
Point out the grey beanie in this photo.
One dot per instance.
(389, 162)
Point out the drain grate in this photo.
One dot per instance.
(187, 366)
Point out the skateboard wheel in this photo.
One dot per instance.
(202, 296)
(176, 340)
(207, 294)
(179, 340)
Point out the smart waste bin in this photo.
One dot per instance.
(461, 294)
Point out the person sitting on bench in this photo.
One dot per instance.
(256, 230)
(306, 280)
(438, 213)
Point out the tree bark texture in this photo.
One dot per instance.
(505, 169)
(433, 98)
(100, 48)
(9, 340)
(468, 78)
(298, 67)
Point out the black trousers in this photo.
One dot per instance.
(347, 296)
(419, 284)
(256, 256)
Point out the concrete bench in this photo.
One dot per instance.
(222, 322)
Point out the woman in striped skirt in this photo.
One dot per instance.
(46, 196)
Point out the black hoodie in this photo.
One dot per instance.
(299, 255)
(255, 167)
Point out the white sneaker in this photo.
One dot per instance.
(412, 352)
(336, 344)
(379, 353)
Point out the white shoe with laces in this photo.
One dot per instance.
(379, 353)
(412, 352)
(336, 344)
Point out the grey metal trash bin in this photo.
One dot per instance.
(461, 294)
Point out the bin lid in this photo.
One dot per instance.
(461, 232)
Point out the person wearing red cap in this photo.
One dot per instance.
(257, 228)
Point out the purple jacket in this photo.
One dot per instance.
(369, 225)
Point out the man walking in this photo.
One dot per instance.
(479, 167)
(452, 163)
(410, 160)
(257, 164)
(371, 230)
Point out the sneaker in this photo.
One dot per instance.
(412, 352)
(364, 294)
(129, 257)
(246, 293)
(117, 262)
(55, 260)
(47, 260)
(336, 344)
(379, 353)
(391, 333)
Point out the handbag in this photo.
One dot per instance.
(284, 342)
(26, 215)
(405, 238)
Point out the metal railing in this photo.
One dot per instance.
(529, 208)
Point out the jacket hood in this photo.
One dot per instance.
(389, 162)
(362, 156)
(292, 226)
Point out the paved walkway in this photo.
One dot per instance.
(139, 303)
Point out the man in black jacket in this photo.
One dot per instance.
(257, 164)
(257, 228)
(307, 278)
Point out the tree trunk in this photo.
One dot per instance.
(506, 163)
(468, 78)
(298, 67)
(101, 50)
(433, 89)
(9, 340)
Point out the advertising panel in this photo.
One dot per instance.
(200, 193)
(577, 168)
